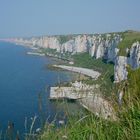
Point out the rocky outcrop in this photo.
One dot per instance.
(69, 46)
(81, 44)
(48, 42)
(99, 46)
(121, 62)
(99, 106)
(88, 96)
(105, 47)
(120, 70)
(134, 55)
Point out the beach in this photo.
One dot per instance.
(88, 72)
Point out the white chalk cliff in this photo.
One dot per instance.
(134, 56)
(132, 59)
(99, 46)
(120, 71)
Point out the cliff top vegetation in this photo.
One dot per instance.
(128, 38)
(91, 127)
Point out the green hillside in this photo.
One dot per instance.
(128, 38)
(90, 127)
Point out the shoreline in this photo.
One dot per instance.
(88, 72)
(35, 53)
(85, 100)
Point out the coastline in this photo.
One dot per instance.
(88, 96)
(88, 72)
(84, 99)
(35, 53)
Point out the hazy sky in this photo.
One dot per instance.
(49, 17)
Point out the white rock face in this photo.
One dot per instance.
(48, 42)
(99, 106)
(88, 96)
(41, 42)
(97, 45)
(100, 51)
(120, 71)
(81, 44)
(134, 59)
(105, 47)
(112, 49)
(69, 46)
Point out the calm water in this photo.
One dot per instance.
(22, 78)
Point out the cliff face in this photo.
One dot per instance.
(103, 46)
(76, 45)
(120, 71)
(132, 59)
(47, 42)
(98, 46)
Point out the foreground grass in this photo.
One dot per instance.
(90, 127)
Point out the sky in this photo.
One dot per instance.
(25, 18)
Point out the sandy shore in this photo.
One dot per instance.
(88, 72)
(35, 53)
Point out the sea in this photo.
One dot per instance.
(25, 81)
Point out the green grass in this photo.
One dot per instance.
(129, 37)
(54, 53)
(64, 38)
(86, 61)
(48, 50)
(90, 127)
(106, 69)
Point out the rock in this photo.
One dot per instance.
(112, 50)
(134, 56)
(121, 62)
(69, 46)
(120, 70)
(38, 130)
(81, 44)
(100, 50)
(120, 96)
(99, 46)
(96, 45)
(48, 42)
(99, 106)
(105, 48)
(64, 137)
(61, 122)
(88, 96)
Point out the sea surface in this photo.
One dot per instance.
(24, 89)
